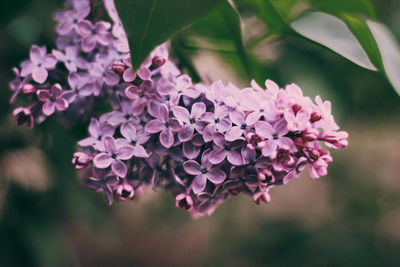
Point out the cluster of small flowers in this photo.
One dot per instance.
(202, 143)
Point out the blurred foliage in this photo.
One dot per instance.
(69, 225)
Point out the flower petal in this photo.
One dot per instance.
(198, 110)
(234, 133)
(119, 168)
(39, 74)
(182, 114)
(217, 156)
(154, 126)
(264, 129)
(110, 145)
(166, 137)
(216, 175)
(186, 133)
(125, 152)
(61, 104)
(192, 167)
(199, 183)
(48, 108)
(102, 160)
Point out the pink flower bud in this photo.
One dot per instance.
(157, 62)
(261, 196)
(315, 117)
(296, 108)
(80, 160)
(28, 89)
(118, 67)
(184, 200)
(125, 191)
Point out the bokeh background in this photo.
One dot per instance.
(349, 218)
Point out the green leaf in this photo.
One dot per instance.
(266, 12)
(233, 23)
(390, 52)
(360, 29)
(149, 23)
(349, 6)
(334, 34)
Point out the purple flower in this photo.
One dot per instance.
(23, 115)
(224, 149)
(203, 173)
(103, 74)
(105, 183)
(261, 195)
(217, 122)
(78, 88)
(165, 125)
(16, 85)
(236, 132)
(97, 132)
(241, 181)
(69, 19)
(113, 155)
(116, 118)
(189, 121)
(38, 64)
(134, 139)
(208, 201)
(183, 86)
(125, 191)
(184, 201)
(261, 106)
(140, 95)
(297, 122)
(52, 100)
(93, 34)
(274, 137)
(81, 160)
(71, 59)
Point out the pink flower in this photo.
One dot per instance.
(275, 137)
(53, 100)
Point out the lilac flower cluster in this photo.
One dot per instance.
(202, 143)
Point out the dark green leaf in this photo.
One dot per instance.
(149, 23)
(349, 6)
(334, 34)
(266, 12)
(390, 52)
(234, 25)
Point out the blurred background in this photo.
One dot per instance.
(349, 218)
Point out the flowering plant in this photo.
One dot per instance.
(201, 142)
